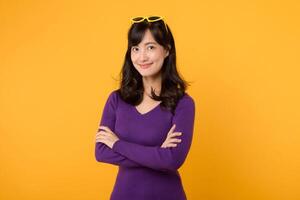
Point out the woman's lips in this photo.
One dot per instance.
(146, 66)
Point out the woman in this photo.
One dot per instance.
(147, 124)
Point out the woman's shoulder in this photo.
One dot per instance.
(114, 93)
(186, 101)
(113, 97)
(187, 98)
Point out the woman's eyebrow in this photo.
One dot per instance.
(150, 43)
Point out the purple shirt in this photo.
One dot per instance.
(146, 171)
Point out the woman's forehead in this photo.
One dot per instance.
(148, 38)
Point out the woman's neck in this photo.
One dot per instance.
(154, 82)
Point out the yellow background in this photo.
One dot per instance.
(59, 60)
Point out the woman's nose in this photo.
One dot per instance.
(143, 56)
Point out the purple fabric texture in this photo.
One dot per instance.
(146, 171)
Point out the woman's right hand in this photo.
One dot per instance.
(170, 142)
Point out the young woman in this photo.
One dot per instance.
(147, 124)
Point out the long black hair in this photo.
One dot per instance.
(131, 85)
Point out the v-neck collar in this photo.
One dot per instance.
(148, 112)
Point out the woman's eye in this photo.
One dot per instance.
(134, 49)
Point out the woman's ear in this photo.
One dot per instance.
(168, 50)
(167, 53)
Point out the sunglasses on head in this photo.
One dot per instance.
(151, 18)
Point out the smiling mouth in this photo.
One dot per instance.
(146, 65)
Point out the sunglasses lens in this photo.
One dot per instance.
(136, 19)
(154, 18)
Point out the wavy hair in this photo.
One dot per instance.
(131, 85)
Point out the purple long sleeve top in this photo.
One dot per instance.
(146, 171)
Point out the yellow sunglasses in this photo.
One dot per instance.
(151, 18)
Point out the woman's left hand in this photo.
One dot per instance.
(107, 136)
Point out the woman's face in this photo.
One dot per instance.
(148, 56)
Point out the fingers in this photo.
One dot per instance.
(174, 140)
(175, 134)
(104, 128)
(171, 142)
(172, 129)
(101, 135)
(100, 138)
(169, 145)
(172, 145)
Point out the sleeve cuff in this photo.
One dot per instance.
(116, 144)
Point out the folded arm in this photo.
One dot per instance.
(164, 159)
(102, 152)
